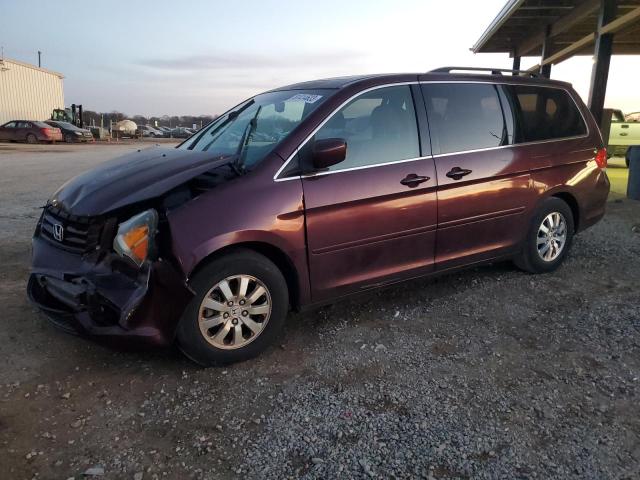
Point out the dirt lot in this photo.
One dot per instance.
(490, 373)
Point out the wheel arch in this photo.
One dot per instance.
(564, 193)
(273, 253)
(572, 201)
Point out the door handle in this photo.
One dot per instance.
(624, 134)
(457, 173)
(413, 180)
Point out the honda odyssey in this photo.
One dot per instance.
(314, 191)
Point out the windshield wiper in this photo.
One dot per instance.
(233, 165)
(231, 117)
(244, 140)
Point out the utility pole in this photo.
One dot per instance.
(39, 59)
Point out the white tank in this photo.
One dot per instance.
(125, 126)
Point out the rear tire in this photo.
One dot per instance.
(229, 331)
(32, 139)
(544, 251)
(68, 138)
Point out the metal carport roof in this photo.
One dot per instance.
(519, 28)
(559, 29)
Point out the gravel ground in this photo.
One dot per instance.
(488, 373)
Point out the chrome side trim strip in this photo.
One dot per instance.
(330, 172)
(295, 152)
(376, 239)
(481, 218)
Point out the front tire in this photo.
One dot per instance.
(239, 309)
(68, 138)
(549, 237)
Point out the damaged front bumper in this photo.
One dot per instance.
(107, 299)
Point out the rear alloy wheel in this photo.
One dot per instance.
(240, 307)
(552, 236)
(549, 237)
(31, 138)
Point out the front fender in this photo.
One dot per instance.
(254, 209)
(213, 245)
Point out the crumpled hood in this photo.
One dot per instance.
(132, 178)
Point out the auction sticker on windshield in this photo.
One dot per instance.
(304, 97)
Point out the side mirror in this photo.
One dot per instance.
(328, 152)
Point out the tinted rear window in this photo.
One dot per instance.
(465, 117)
(546, 114)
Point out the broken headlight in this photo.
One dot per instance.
(134, 239)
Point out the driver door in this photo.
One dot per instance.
(371, 219)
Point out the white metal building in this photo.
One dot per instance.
(28, 92)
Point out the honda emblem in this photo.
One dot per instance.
(58, 232)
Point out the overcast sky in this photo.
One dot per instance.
(201, 57)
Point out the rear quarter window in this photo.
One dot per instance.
(546, 113)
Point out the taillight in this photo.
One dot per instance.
(601, 158)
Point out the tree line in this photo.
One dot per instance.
(90, 117)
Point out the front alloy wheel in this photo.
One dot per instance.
(239, 308)
(235, 312)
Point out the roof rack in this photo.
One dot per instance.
(494, 71)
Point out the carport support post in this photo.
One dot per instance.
(601, 60)
(516, 61)
(547, 46)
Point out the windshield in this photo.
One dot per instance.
(256, 126)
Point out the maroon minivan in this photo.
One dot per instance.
(310, 192)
